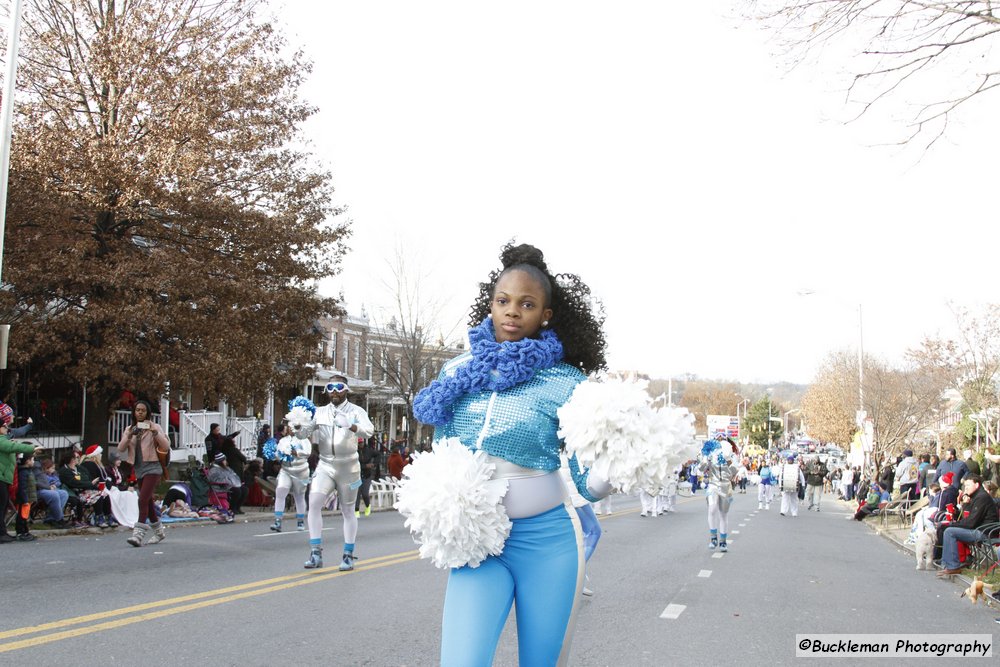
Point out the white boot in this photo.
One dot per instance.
(138, 534)
(159, 533)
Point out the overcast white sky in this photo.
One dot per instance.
(659, 150)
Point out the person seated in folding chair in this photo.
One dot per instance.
(79, 485)
(339, 424)
(225, 482)
(981, 511)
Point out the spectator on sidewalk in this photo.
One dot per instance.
(50, 491)
(906, 475)
(8, 463)
(923, 465)
(72, 479)
(27, 495)
(933, 474)
(981, 510)
(234, 457)
(874, 498)
(398, 460)
(847, 484)
(263, 436)
(887, 477)
(953, 465)
(971, 464)
(370, 470)
(225, 480)
(91, 464)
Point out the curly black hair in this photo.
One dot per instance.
(577, 316)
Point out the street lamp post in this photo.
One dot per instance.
(785, 419)
(739, 420)
(770, 443)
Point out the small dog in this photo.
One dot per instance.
(974, 591)
(925, 549)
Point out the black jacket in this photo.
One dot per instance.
(982, 510)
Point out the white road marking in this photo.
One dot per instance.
(719, 555)
(673, 611)
(705, 573)
(736, 532)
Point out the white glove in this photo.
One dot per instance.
(343, 421)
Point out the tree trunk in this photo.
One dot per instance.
(95, 427)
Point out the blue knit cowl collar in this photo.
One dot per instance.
(494, 367)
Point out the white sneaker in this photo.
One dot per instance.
(586, 591)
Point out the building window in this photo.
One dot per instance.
(357, 358)
(333, 348)
(347, 349)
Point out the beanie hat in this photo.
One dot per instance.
(6, 414)
(907, 452)
(94, 450)
(947, 477)
(219, 457)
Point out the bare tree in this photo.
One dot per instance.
(408, 342)
(971, 362)
(901, 401)
(896, 46)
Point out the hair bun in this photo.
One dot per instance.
(512, 255)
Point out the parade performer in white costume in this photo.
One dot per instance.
(293, 452)
(339, 424)
(650, 501)
(789, 479)
(716, 465)
(668, 495)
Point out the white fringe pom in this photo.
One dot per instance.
(451, 506)
(612, 427)
(300, 422)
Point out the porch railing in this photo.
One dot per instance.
(189, 440)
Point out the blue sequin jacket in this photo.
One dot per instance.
(519, 424)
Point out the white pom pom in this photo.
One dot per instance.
(451, 506)
(300, 421)
(612, 427)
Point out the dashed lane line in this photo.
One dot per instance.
(673, 611)
(704, 574)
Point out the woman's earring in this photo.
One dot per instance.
(545, 323)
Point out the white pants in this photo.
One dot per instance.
(790, 503)
(718, 512)
(765, 492)
(603, 506)
(650, 503)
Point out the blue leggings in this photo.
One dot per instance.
(540, 570)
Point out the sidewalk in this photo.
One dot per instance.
(250, 514)
(897, 535)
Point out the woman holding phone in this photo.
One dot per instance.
(138, 447)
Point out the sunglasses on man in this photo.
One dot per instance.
(332, 387)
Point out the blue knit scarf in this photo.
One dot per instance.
(494, 366)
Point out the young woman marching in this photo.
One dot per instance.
(534, 338)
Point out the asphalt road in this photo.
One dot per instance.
(237, 594)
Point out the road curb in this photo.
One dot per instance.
(886, 534)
